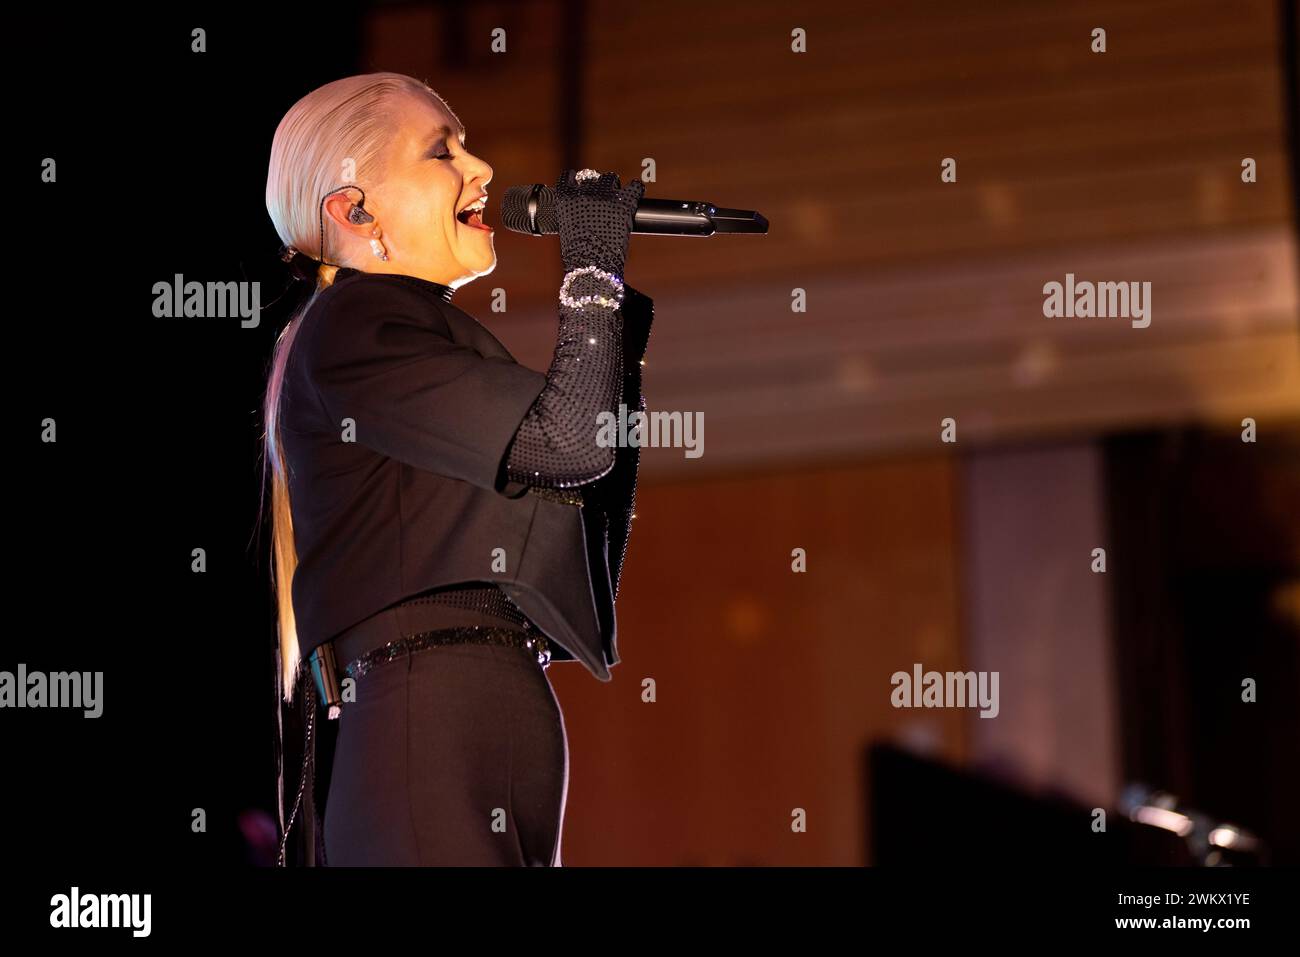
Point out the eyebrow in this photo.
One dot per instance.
(442, 132)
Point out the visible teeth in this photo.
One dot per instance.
(466, 214)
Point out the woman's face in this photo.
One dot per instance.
(429, 177)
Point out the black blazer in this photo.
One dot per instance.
(396, 413)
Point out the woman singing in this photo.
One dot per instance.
(446, 521)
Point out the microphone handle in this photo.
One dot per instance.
(670, 217)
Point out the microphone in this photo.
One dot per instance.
(531, 210)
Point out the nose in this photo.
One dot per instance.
(480, 170)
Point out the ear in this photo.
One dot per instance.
(338, 209)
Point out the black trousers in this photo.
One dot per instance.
(450, 756)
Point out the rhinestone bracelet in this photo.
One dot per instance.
(578, 303)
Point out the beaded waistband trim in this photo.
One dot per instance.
(564, 496)
(465, 634)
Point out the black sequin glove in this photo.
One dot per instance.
(556, 444)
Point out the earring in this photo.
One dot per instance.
(378, 248)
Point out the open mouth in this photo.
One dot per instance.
(472, 215)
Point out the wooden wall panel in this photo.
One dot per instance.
(924, 298)
(770, 683)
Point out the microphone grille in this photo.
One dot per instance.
(514, 210)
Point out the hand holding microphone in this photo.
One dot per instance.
(594, 217)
